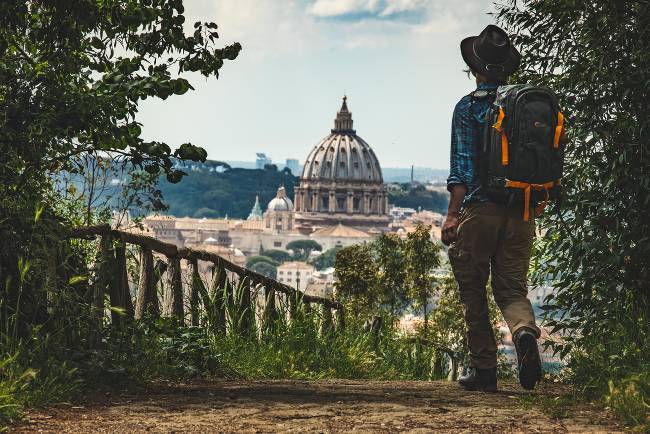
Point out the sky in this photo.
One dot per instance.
(398, 61)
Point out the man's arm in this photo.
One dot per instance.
(461, 168)
(450, 226)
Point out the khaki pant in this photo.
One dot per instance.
(492, 239)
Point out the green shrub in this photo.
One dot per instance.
(629, 399)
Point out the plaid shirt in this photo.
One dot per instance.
(466, 135)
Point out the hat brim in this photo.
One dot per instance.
(500, 71)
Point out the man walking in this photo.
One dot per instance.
(487, 237)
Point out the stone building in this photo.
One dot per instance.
(341, 181)
(294, 273)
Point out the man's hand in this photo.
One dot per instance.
(450, 229)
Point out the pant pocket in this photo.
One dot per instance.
(457, 255)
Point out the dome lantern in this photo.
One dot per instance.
(343, 122)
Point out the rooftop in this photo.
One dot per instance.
(339, 231)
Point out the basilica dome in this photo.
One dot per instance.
(342, 155)
(341, 181)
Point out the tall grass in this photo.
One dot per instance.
(296, 345)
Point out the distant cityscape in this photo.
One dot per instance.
(425, 175)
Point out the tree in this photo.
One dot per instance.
(252, 261)
(389, 250)
(231, 192)
(419, 197)
(302, 248)
(356, 278)
(265, 268)
(207, 213)
(595, 55)
(278, 256)
(327, 259)
(422, 257)
(65, 93)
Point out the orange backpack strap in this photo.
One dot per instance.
(504, 140)
(558, 130)
(527, 190)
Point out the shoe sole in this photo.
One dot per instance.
(530, 366)
(479, 388)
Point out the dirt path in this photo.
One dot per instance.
(314, 406)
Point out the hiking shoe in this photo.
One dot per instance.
(484, 380)
(529, 363)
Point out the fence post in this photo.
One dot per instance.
(270, 314)
(326, 320)
(246, 309)
(174, 290)
(146, 286)
(102, 284)
(340, 319)
(375, 329)
(293, 304)
(120, 293)
(218, 296)
(52, 279)
(158, 272)
(196, 288)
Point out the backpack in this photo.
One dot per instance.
(521, 159)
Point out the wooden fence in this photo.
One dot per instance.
(112, 278)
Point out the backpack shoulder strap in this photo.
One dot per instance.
(480, 94)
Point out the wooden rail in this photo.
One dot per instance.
(111, 277)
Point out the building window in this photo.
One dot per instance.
(277, 243)
(281, 272)
(341, 204)
(289, 273)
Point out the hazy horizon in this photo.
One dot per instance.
(398, 61)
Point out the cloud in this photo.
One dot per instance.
(406, 10)
(264, 28)
(273, 29)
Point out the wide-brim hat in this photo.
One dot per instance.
(491, 53)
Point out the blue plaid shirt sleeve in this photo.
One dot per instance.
(463, 146)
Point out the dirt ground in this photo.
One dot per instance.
(310, 406)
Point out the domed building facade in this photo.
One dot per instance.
(279, 215)
(341, 181)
